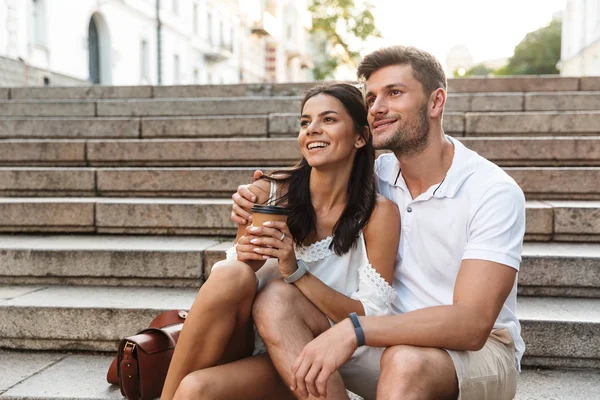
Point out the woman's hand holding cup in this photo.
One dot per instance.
(245, 249)
(274, 240)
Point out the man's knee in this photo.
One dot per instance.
(410, 372)
(403, 362)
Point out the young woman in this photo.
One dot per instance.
(338, 228)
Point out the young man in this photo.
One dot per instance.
(456, 334)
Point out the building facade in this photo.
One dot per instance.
(580, 43)
(139, 42)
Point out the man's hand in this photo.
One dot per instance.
(243, 201)
(322, 357)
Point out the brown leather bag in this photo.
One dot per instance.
(142, 361)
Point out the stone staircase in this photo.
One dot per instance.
(115, 203)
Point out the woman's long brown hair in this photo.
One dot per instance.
(362, 188)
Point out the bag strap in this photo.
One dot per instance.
(162, 320)
(168, 318)
(130, 380)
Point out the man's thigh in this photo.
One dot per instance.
(487, 374)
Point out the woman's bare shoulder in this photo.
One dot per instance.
(385, 215)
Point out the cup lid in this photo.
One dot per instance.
(276, 210)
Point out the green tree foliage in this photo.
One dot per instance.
(476, 70)
(341, 23)
(537, 54)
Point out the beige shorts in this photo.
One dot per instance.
(490, 373)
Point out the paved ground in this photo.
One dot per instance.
(63, 376)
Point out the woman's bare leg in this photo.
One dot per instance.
(218, 328)
(251, 378)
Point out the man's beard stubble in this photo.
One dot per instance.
(411, 137)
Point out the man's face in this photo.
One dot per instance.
(398, 114)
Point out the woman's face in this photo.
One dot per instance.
(327, 134)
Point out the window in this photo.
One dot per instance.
(195, 18)
(196, 76)
(176, 69)
(144, 60)
(38, 21)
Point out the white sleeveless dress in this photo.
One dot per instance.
(352, 275)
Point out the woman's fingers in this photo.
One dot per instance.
(267, 241)
(275, 233)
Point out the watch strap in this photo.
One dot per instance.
(298, 273)
(358, 330)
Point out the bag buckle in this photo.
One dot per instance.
(128, 343)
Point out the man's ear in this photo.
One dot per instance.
(438, 101)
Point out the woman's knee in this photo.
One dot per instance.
(194, 386)
(231, 278)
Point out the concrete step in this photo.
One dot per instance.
(547, 269)
(538, 183)
(37, 375)
(96, 316)
(566, 123)
(108, 260)
(559, 332)
(142, 92)
(248, 105)
(534, 101)
(149, 107)
(112, 215)
(68, 127)
(556, 269)
(548, 123)
(515, 151)
(80, 92)
(455, 85)
(137, 127)
(521, 84)
(577, 221)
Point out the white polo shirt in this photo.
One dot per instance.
(476, 212)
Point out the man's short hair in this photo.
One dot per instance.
(426, 68)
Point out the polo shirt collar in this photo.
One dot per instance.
(464, 164)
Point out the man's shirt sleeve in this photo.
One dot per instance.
(497, 226)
